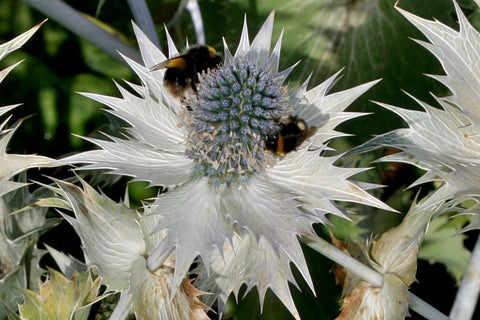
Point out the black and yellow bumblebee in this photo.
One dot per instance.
(182, 71)
(181, 76)
(290, 135)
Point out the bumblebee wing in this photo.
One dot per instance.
(175, 63)
(161, 65)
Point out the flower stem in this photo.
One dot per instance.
(143, 19)
(194, 9)
(83, 27)
(343, 259)
(467, 294)
(424, 309)
(373, 277)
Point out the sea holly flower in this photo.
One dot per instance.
(443, 141)
(20, 226)
(116, 242)
(394, 255)
(226, 188)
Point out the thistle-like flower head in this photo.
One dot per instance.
(444, 141)
(19, 226)
(116, 243)
(226, 187)
(394, 255)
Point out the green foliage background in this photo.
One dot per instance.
(368, 38)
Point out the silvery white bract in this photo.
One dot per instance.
(12, 164)
(19, 227)
(444, 141)
(224, 188)
(394, 254)
(116, 242)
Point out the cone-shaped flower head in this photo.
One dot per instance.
(213, 151)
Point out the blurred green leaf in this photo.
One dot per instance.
(100, 62)
(442, 245)
(82, 109)
(47, 103)
(139, 191)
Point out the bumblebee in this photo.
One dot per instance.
(182, 71)
(290, 135)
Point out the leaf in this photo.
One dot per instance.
(35, 272)
(443, 245)
(81, 111)
(59, 297)
(9, 294)
(100, 62)
(11, 314)
(67, 263)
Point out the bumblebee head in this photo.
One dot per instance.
(203, 57)
(200, 58)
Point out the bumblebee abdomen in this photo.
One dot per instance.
(176, 80)
(288, 137)
(175, 76)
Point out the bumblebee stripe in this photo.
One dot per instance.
(212, 52)
(280, 146)
(177, 63)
